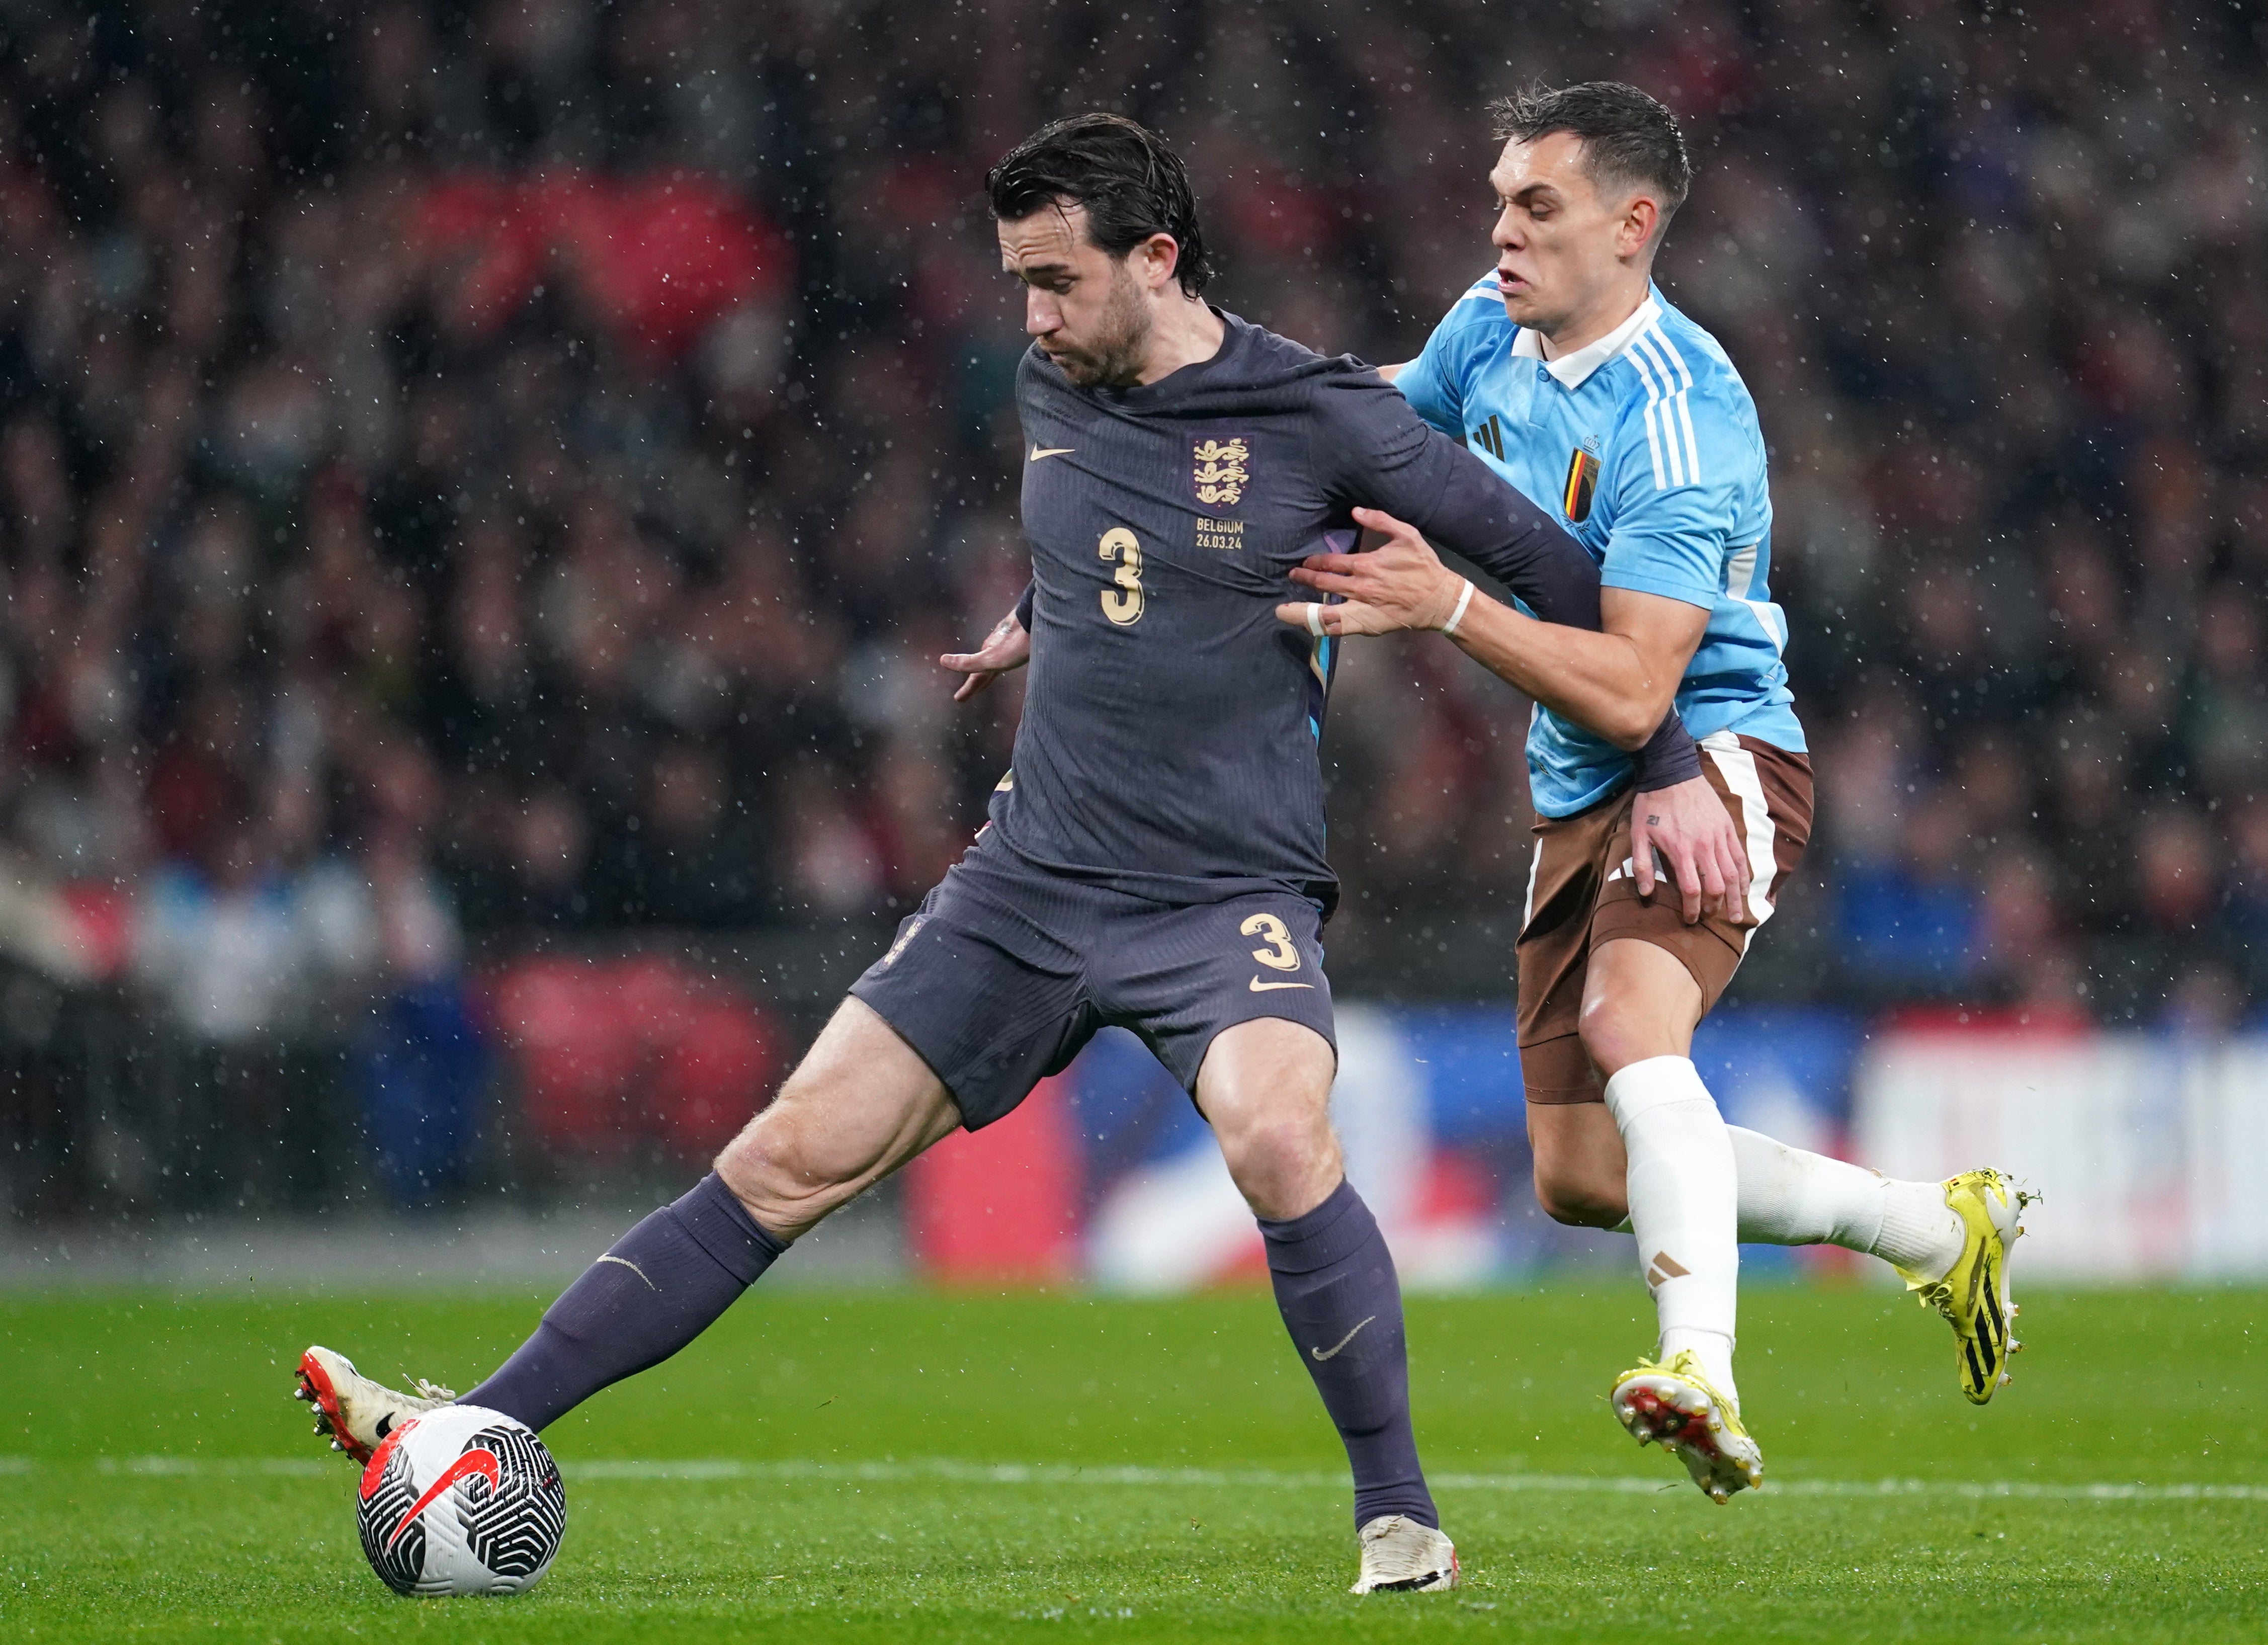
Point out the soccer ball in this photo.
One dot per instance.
(462, 1501)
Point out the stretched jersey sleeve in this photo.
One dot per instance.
(1682, 461)
(1431, 387)
(1372, 452)
(1432, 382)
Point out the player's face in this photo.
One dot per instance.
(1560, 242)
(1082, 306)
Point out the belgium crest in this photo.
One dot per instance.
(1221, 470)
(1582, 484)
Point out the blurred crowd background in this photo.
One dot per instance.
(484, 484)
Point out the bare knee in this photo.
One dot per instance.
(1580, 1198)
(1617, 1032)
(789, 1166)
(1265, 1089)
(1639, 1001)
(1581, 1171)
(1283, 1163)
(860, 1105)
(775, 1169)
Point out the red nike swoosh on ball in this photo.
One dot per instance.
(482, 1462)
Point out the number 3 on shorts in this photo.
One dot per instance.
(1122, 604)
(1279, 953)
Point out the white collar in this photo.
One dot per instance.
(1573, 369)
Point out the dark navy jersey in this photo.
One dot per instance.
(1170, 724)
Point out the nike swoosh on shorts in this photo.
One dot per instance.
(1259, 987)
(1039, 452)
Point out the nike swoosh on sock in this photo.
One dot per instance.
(1321, 1355)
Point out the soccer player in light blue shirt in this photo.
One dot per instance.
(1572, 375)
(1647, 440)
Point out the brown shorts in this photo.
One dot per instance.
(1580, 893)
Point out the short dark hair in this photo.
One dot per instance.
(1627, 136)
(1128, 177)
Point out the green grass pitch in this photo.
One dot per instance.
(912, 1466)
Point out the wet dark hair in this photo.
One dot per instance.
(1130, 181)
(1628, 137)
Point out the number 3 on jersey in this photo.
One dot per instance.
(1122, 604)
(1279, 954)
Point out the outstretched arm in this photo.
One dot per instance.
(1619, 680)
(1370, 439)
(1374, 450)
(1615, 681)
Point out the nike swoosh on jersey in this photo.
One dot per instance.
(1039, 452)
(1334, 1353)
(1259, 987)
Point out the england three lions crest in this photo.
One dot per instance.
(1222, 469)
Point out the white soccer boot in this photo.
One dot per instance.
(1400, 1556)
(356, 1412)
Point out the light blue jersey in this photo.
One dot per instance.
(1646, 443)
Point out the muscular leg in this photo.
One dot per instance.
(1786, 1196)
(1581, 1173)
(1265, 1087)
(859, 1106)
(1582, 1169)
(1638, 1002)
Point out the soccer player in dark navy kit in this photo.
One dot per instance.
(1155, 856)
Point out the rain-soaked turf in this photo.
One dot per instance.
(887, 1466)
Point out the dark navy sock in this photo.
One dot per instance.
(1335, 1287)
(663, 1284)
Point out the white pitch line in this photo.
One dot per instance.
(951, 1471)
(1065, 1474)
(286, 1467)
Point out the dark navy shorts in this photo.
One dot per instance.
(1007, 969)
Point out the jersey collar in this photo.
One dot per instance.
(1573, 370)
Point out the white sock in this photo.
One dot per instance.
(1684, 1208)
(1788, 1196)
(1919, 1230)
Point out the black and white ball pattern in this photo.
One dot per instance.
(462, 1501)
(394, 1544)
(515, 1530)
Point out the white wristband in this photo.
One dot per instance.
(1458, 616)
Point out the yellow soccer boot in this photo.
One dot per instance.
(1973, 1294)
